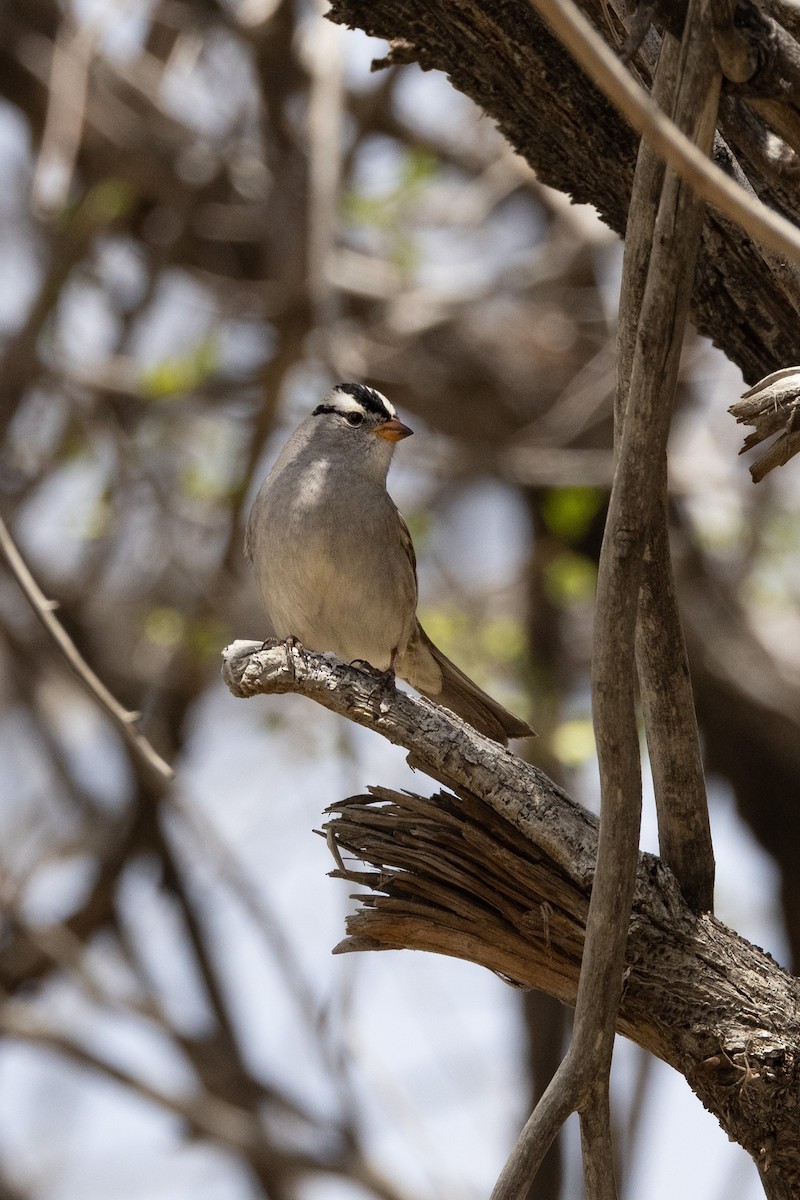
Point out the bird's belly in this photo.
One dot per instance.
(329, 607)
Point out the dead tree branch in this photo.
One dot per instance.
(124, 720)
(440, 744)
(502, 877)
(448, 876)
(771, 407)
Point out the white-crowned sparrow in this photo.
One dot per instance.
(334, 557)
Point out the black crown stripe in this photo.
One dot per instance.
(370, 400)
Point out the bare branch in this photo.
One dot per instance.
(530, 892)
(450, 877)
(661, 658)
(673, 739)
(125, 721)
(642, 450)
(208, 1115)
(598, 1155)
(538, 1133)
(772, 406)
(23, 961)
(66, 108)
(441, 744)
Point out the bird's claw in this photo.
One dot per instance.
(361, 664)
(292, 643)
(384, 679)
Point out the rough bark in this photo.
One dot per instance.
(453, 878)
(502, 57)
(501, 876)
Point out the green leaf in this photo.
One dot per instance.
(419, 167)
(569, 511)
(173, 376)
(475, 646)
(573, 742)
(165, 627)
(106, 202)
(204, 638)
(570, 578)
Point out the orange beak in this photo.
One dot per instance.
(392, 430)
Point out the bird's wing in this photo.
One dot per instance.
(408, 545)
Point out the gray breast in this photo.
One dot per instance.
(331, 570)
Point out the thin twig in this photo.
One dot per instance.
(673, 738)
(539, 1132)
(217, 1119)
(67, 90)
(44, 610)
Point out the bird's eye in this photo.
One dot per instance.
(354, 418)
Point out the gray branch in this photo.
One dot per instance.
(665, 683)
(501, 876)
(440, 744)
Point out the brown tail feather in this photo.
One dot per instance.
(467, 700)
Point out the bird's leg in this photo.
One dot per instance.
(291, 643)
(385, 678)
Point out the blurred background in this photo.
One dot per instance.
(210, 212)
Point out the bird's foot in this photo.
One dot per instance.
(385, 679)
(292, 643)
(361, 664)
(269, 644)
